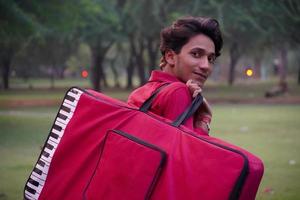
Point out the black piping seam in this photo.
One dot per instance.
(101, 145)
(161, 164)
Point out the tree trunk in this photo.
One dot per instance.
(103, 74)
(129, 70)
(141, 69)
(6, 63)
(6, 58)
(298, 74)
(257, 67)
(131, 64)
(98, 54)
(51, 76)
(152, 48)
(283, 64)
(298, 71)
(97, 60)
(140, 62)
(234, 57)
(115, 74)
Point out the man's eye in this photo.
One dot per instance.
(196, 54)
(211, 59)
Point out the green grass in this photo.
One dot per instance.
(21, 136)
(271, 132)
(247, 89)
(213, 90)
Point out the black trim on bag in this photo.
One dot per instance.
(138, 141)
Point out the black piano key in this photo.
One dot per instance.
(56, 127)
(70, 98)
(74, 91)
(64, 117)
(33, 182)
(54, 135)
(49, 146)
(42, 163)
(30, 190)
(65, 108)
(46, 154)
(38, 171)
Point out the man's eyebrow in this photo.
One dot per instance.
(203, 50)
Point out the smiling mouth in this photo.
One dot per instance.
(202, 76)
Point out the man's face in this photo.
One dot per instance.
(195, 60)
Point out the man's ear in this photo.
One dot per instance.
(170, 57)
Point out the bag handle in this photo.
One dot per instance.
(145, 107)
(189, 111)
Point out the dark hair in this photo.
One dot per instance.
(176, 36)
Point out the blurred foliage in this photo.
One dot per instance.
(44, 38)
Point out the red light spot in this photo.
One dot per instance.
(84, 74)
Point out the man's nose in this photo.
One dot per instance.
(204, 63)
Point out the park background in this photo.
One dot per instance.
(111, 46)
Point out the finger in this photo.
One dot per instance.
(189, 82)
(196, 92)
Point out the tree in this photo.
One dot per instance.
(17, 28)
(24, 22)
(282, 20)
(99, 28)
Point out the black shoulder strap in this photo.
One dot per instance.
(147, 104)
(189, 111)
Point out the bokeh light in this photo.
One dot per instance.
(249, 72)
(84, 74)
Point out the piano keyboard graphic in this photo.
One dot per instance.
(38, 176)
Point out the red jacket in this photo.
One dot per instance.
(170, 102)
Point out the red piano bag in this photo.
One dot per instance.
(102, 148)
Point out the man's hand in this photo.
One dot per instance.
(203, 115)
(194, 87)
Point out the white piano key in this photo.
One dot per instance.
(63, 121)
(38, 189)
(69, 115)
(43, 176)
(54, 139)
(59, 133)
(41, 182)
(46, 159)
(63, 126)
(44, 168)
(66, 120)
(71, 107)
(38, 176)
(51, 152)
(74, 103)
(31, 196)
(76, 96)
(54, 144)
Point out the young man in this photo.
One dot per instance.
(189, 48)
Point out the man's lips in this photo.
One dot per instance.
(203, 76)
